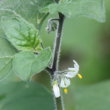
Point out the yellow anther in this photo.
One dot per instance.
(65, 90)
(80, 76)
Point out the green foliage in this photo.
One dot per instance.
(25, 96)
(94, 97)
(5, 67)
(5, 48)
(27, 64)
(22, 35)
(27, 9)
(6, 53)
(73, 8)
(42, 60)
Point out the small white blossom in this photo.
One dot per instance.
(65, 82)
(56, 89)
(72, 72)
(63, 79)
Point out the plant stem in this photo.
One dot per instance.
(56, 55)
(57, 45)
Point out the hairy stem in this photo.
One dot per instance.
(57, 45)
(56, 55)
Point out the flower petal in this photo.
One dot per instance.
(65, 82)
(76, 66)
(56, 90)
(71, 74)
(71, 69)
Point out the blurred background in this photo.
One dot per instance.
(88, 42)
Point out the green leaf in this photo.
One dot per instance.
(42, 60)
(5, 66)
(22, 64)
(27, 9)
(26, 64)
(6, 53)
(5, 48)
(93, 97)
(23, 96)
(20, 33)
(90, 8)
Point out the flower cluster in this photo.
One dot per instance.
(63, 79)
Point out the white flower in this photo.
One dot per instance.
(65, 82)
(72, 72)
(56, 89)
(63, 79)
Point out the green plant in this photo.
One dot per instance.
(24, 53)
